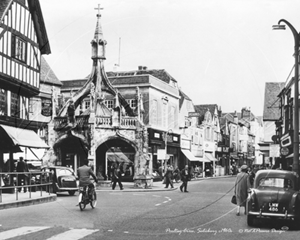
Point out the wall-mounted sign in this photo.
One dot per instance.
(274, 150)
(46, 107)
(284, 151)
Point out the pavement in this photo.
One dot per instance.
(13, 200)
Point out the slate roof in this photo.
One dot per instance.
(4, 4)
(38, 22)
(161, 74)
(182, 97)
(47, 74)
(272, 103)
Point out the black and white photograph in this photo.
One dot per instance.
(149, 119)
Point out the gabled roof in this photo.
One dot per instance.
(47, 74)
(202, 109)
(38, 22)
(161, 74)
(228, 116)
(272, 102)
(182, 97)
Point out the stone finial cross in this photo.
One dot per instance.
(99, 8)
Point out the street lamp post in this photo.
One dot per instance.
(296, 92)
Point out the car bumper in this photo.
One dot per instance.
(271, 215)
(60, 189)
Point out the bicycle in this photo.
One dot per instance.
(86, 198)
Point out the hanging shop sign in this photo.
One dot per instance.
(46, 107)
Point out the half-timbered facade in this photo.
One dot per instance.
(23, 39)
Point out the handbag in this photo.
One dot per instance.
(233, 199)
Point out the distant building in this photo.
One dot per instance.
(272, 122)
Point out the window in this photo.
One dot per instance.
(14, 105)
(207, 134)
(109, 104)
(3, 102)
(132, 103)
(275, 182)
(18, 48)
(87, 104)
(154, 112)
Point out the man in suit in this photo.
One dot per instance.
(117, 176)
(84, 172)
(22, 167)
(185, 176)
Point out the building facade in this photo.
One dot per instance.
(23, 39)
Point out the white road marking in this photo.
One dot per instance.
(20, 231)
(168, 199)
(156, 196)
(73, 234)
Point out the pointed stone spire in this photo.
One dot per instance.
(98, 43)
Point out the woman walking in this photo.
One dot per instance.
(242, 185)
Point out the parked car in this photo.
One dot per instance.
(275, 195)
(63, 179)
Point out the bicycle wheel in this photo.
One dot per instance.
(81, 201)
(93, 201)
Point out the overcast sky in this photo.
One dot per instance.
(220, 51)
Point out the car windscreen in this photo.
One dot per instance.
(63, 172)
(275, 182)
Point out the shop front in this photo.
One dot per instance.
(14, 140)
(170, 143)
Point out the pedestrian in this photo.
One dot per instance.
(242, 184)
(185, 177)
(169, 176)
(22, 168)
(117, 176)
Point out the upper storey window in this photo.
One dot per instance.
(18, 48)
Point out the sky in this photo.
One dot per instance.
(219, 51)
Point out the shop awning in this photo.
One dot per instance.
(24, 137)
(118, 157)
(30, 154)
(210, 157)
(191, 156)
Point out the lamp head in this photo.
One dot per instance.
(278, 27)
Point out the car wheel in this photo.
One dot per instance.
(71, 193)
(250, 220)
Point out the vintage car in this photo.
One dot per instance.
(275, 195)
(63, 178)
